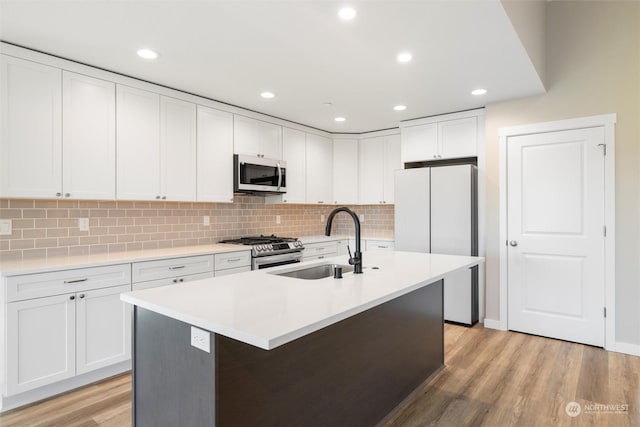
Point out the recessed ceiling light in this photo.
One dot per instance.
(405, 57)
(147, 54)
(339, 119)
(479, 92)
(268, 95)
(400, 107)
(347, 13)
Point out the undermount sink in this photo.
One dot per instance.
(314, 272)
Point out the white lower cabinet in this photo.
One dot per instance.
(230, 271)
(41, 342)
(103, 334)
(74, 329)
(173, 280)
(379, 245)
(320, 250)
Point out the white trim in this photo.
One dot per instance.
(493, 324)
(627, 348)
(607, 121)
(442, 118)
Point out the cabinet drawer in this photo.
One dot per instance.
(170, 281)
(174, 267)
(232, 260)
(324, 248)
(380, 245)
(235, 270)
(67, 281)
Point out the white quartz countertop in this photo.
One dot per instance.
(332, 238)
(266, 310)
(42, 265)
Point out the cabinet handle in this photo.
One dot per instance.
(72, 297)
(58, 194)
(178, 267)
(175, 280)
(383, 247)
(284, 201)
(67, 194)
(81, 296)
(181, 280)
(321, 256)
(76, 281)
(164, 197)
(157, 197)
(233, 259)
(320, 201)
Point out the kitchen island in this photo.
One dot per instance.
(276, 350)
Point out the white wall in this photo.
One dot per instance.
(592, 67)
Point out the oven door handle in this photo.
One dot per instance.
(279, 176)
(273, 259)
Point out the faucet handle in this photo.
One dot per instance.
(349, 250)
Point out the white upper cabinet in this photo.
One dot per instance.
(443, 137)
(88, 138)
(156, 156)
(420, 143)
(294, 154)
(379, 159)
(458, 138)
(177, 149)
(257, 138)
(345, 171)
(138, 146)
(31, 129)
(319, 169)
(214, 155)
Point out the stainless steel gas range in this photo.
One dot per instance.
(271, 251)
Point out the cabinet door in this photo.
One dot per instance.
(31, 134)
(138, 144)
(319, 169)
(458, 138)
(88, 137)
(294, 154)
(177, 149)
(255, 137)
(379, 245)
(103, 328)
(345, 171)
(419, 143)
(371, 168)
(215, 155)
(41, 343)
(391, 164)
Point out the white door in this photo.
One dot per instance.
(419, 143)
(215, 155)
(319, 169)
(371, 171)
(41, 344)
(458, 138)
(89, 137)
(103, 328)
(412, 210)
(294, 154)
(345, 171)
(255, 137)
(138, 144)
(555, 234)
(31, 129)
(177, 149)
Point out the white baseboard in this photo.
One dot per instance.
(627, 348)
(493, 324)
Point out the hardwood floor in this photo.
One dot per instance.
(491, 378)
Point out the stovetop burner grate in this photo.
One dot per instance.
(258, 240)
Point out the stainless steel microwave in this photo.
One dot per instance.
(257, 175)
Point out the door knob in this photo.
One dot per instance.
(513, 243)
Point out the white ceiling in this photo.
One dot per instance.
(231, 51)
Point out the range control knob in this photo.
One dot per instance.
(268, 247)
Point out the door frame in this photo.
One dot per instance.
(607, 121)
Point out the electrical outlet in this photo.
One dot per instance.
(201, 339)
(277, 219)
(361, 217)
(321, 218)
(6, 227)
(206, 220)
(83, 224)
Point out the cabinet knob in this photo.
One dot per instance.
(181, 280)
(284, 200)
(72, 297)
(435, 157)
(320, 201)
(175, 280)
(157, 197)
(67, 194)
(513, 243)
(164, 197)
(81, 296)
(58, 194)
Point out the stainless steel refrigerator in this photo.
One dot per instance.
(436, 212)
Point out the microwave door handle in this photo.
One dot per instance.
(279, 176)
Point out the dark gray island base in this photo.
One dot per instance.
(351, 373)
